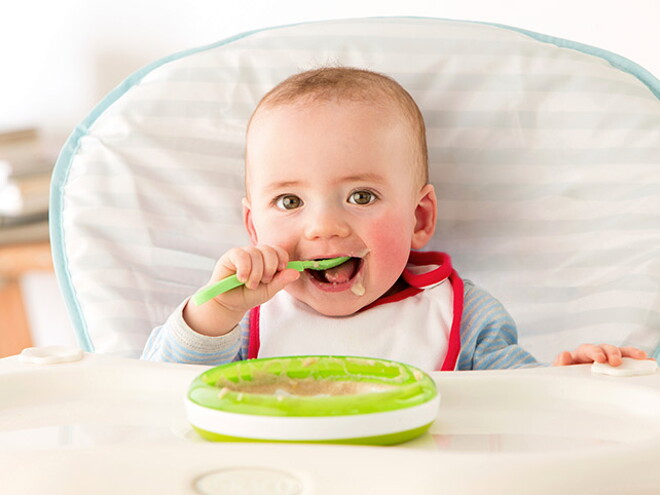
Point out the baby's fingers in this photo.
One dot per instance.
(604, 353)
(256, 272)
(613, 353)
(633, 352)
(253, 265)
(235, 261)
(281, 280)
(274, 259)
(564, 359)
(246, 263)
(588, 353)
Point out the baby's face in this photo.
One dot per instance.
(335, 179)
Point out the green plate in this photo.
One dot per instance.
(336, 399)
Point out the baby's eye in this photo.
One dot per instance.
(362, 197)
(288, 202)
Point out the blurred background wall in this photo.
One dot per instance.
(60, 57)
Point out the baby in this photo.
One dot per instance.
(336, 165)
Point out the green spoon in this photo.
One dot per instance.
(231, 282)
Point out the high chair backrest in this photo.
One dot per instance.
(545, 154)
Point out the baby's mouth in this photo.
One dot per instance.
(338, 275)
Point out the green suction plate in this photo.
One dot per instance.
(336, 399)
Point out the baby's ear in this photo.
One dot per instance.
(426, 213)
(247, 221)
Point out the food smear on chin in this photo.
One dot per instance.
(358, 289)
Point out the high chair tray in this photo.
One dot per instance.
(111, 425)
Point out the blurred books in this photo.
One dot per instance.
(25, 174)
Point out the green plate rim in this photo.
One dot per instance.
(412, 386)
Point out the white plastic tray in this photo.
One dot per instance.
(109, 425)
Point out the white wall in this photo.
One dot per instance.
(60, 57)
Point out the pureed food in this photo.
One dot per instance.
(333, 378)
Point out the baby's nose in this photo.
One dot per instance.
(326, 223)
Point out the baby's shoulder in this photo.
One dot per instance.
(475, 296)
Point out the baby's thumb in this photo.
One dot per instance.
(564, 358)
(281, 280)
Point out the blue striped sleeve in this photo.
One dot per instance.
(176, 342)
(489, 337)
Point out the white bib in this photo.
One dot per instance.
(414, 330)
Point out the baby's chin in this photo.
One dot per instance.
(345, 303)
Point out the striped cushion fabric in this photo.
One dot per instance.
(545, 155)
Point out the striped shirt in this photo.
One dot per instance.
(489, 338)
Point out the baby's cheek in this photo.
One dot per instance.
(389, 241)
(273, 234)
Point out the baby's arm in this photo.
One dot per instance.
(261, 268)
(489, 337)
(176, 342)
(210, 333)
(604, 353)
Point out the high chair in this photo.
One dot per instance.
(545, 154)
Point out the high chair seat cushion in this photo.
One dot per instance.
(545, 155)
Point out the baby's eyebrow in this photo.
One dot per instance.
(284, 184)
(365, 177)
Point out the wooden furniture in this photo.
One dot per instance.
(16, 260)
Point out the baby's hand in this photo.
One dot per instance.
(604, 353)
(263, 271)
(261, 268)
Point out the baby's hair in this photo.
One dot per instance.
(356, 85)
